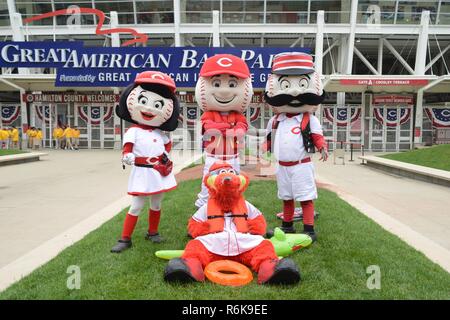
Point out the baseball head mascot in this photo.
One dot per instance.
(223, 91)
(151, 105)
(229, 227)
(294, 90)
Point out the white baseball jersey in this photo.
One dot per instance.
(229, 242)
(294, 182)
(147, 143)
(288, 144)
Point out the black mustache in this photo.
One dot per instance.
(286, 99)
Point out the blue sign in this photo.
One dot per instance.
(79, 66)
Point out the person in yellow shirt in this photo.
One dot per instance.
(4, 136)
(68, 136)
(37, 139)
(75, 137)
(14, 136)
(57, 136)
(31, 133)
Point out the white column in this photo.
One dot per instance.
(216, 28)
(23, 117)
(318, 61)
(115, 42)
(422, 44)
(351, 37)
(380, 56)
(176, 23)
(319, 41)
(421, 58)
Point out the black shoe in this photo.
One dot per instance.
(286, 272)
(155, 237)
(121, 246)
(309, 230)
(178, 271)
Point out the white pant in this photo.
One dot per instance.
(296, 182)
(138, 202)
(209, 161)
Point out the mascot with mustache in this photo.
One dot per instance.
(223, 91)
(229, 227)
(294, 91)
(151, 105)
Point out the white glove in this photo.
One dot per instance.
(129, 159)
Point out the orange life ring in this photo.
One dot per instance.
(228, 273)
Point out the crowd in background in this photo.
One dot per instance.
(64, 137)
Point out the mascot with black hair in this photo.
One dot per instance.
(294, 91)
(151, 105)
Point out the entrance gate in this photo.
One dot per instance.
(96, 125)
(342, 125)
(390, 128)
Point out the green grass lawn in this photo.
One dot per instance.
(8, 152)
(437, 157)
(333, 268)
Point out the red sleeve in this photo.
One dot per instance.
(267, 145)
(319, 141)
(197, 228)
(127, 148)
(168, 146)
(257, 225)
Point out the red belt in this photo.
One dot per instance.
(146, 160)
(293, 163)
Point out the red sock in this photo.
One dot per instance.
(153, 221)
(128, 226)
(308, 212)
(288, 210)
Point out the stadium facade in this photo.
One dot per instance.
(385, 64)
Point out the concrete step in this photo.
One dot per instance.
(409, 170)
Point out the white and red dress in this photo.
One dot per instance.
(148, 142)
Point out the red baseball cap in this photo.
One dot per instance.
(155, 77)
(293, 63)
(225, 63)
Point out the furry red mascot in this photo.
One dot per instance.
(294, 90)
(229, 227)
(150, 103)
(223, 91)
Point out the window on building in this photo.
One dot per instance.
(198, 11)
(287, 11)
(150, 11)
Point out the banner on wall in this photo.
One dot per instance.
(342, 115)
(43, 113)
(9, 114)
(440, 117)
(392, 99)
(79, 66)
(393, 118)
(95, 116)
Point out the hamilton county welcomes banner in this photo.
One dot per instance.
(79, 66)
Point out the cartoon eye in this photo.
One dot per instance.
(232, 83)
(231, 171)
(216, 83)
(158, 104)
(304, 83)
(143, 100)
(285, 84)
(222, 171)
